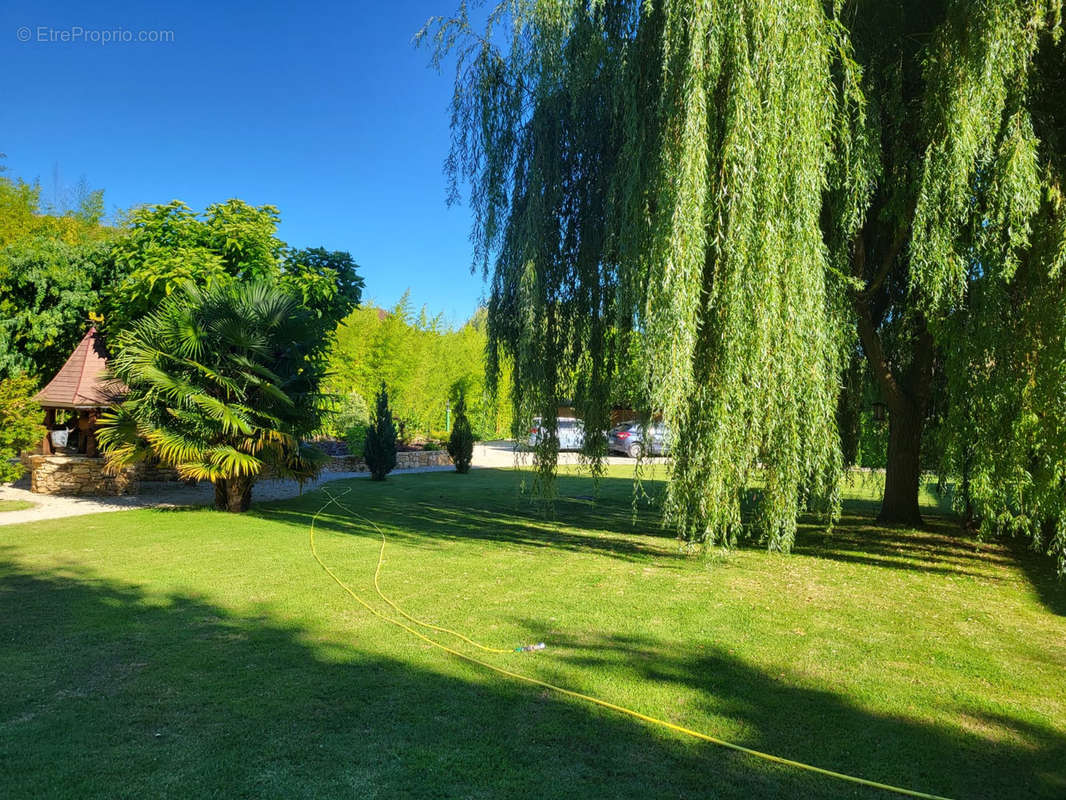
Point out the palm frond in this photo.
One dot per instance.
(172, 447)
(275, 393)
(250, 366)
(230, 386)
(231, 420)
(200, 471)
(232, 462)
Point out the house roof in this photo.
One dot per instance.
(82, 381)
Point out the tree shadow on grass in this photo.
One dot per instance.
(444, 506)
(118, 694)
(941, 547)
(110, 691)
(423, 510)
(1039, 568)
(990, 755)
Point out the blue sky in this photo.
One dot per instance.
(325, 110)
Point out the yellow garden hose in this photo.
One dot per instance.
(559, 689)
(396, 608)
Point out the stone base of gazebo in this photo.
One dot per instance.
(84, 476)
(78, 475)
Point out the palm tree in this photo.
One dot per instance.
(223, 383)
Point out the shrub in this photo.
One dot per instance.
(431, 446)
(355, 437)
(404, 434)
(20, 423)
(461, 442)
(379, 451)
(350, 420)
(349, 412)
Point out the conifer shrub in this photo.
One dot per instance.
(379, 449)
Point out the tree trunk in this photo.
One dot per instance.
(234, 494)
(906, 391)
(968, 515)
(903, 467)
(238, 494)
(907, 395)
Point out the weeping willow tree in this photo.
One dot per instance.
(734, 200)
(992, 219)
(951, 206)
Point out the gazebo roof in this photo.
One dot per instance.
(81, 382)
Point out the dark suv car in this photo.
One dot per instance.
(628, 439)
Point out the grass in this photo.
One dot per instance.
(193, 653)
(15, 505)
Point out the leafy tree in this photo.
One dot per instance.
(48, 289)
(245, 238)
(19, 204)
(20, 423)
(461, 441)
(422, 360)
(23, 216)
(745, 194)
(54, 270)
(379, 450)
(166, 246)
(350, 410)
(163, 248)
(328, 281)
(634, 174)
(223, 385)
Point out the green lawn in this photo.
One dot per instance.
(195, 654)
(15, 505)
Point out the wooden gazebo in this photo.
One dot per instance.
(73, 399)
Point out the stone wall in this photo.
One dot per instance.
(78, 475)
(81, 475)
(408, 460)
(156, 472)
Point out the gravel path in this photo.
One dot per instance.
(496, 455)
(156, 495)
